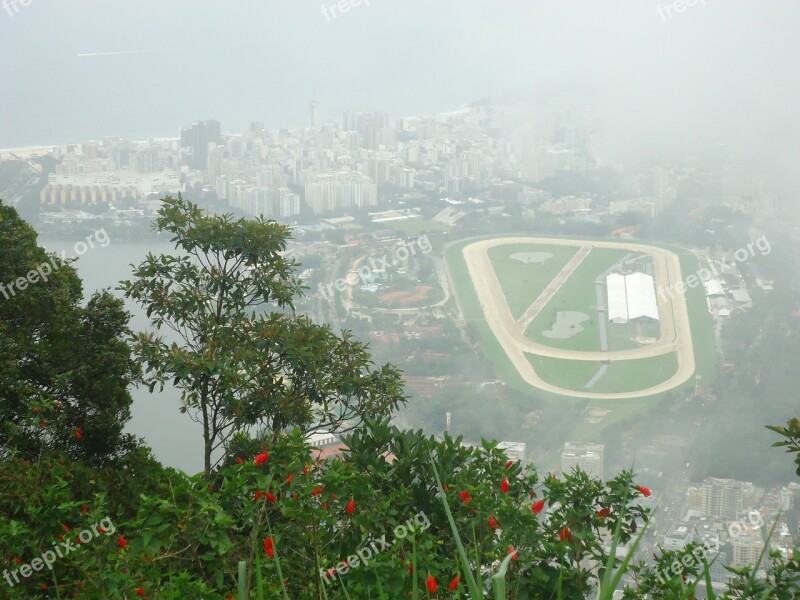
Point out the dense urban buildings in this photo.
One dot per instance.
(330, 168)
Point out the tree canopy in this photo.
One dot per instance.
(242, 358)
(65, 367)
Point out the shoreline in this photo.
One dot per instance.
(27, 152)
(32, 150)
(40, 149)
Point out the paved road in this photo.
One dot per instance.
(602, 310)
(602, 315)
(597, 376)
(534, 309)
(676, 334)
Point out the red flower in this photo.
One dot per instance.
(513, 552)
(465, 497)
(645, 491)
(453, 586)
(492, 522)
(101, 530)
(139, 591)
(239, 460)
(604, 512)
(351, 507)
(504, 486)
(78, 433)
(36, 411)
(84, 509)
(122, 542)
(509, 464)
(262, 458)
(259, 495)
(538, 507)
(316, 491)
(324, 506)
(64, 527)
(431, 584)
(42, 423)
(269, 547)
(411, 568)
(289, 478)
(564, 534)
(305, 470)
(271, 497)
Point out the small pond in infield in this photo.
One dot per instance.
(567, 325)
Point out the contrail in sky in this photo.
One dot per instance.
(151, 50)
(119, 52)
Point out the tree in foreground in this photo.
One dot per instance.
(242, 358)
(65, 368)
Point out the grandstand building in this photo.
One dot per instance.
(631, 297)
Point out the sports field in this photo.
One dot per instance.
(544, 302)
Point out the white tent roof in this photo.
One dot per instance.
(631, 297)
(641, 293)
(714, 288)
(617, 298)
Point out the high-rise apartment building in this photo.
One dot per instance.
(195, 141)
(336, 191)
(586, 455)
(725, 498)
(514, 451)
(313, 115)
(747, 547)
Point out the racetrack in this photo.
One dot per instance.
(676, 335)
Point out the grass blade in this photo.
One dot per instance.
(474, 590)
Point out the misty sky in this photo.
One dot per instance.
(724, 68)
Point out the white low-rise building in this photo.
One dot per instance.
(631, 297)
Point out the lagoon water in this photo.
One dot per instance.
(175, 439)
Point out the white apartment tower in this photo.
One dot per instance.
(586, 455)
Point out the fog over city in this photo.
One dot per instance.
(569, 227)
(714, 73)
